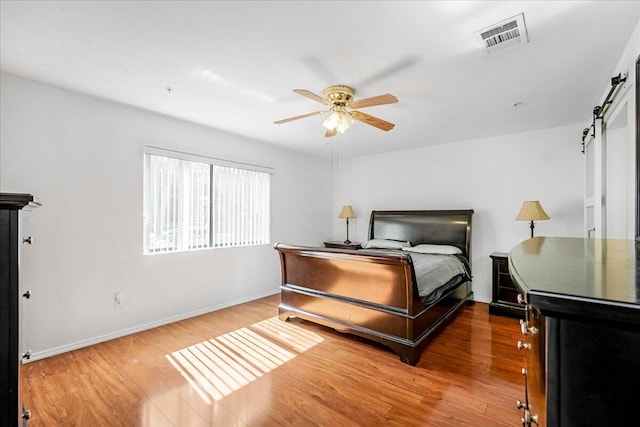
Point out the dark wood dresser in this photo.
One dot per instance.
(581, 334)
(11, 354)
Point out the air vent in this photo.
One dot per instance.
(508, 33)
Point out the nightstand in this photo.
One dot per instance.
(342, 245)
(504, 300)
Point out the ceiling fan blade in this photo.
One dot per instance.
(330, 132)
(303, 116)
(312, 95)
(374, 100)
(373, 121)
(392, 69)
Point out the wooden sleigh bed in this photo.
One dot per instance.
(374, 294)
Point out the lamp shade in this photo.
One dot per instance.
(347, 212)
(532, 211)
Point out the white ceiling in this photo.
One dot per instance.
(233, 65)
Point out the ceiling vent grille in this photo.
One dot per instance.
(508, 33)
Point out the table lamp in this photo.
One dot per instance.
(347, 212)
(532, 211)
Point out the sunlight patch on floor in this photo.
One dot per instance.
(222, 365)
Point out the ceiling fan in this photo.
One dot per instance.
(342, 109)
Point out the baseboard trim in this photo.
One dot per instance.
(484, 300)
(146, 326)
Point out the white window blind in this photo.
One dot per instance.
(193, 205)
(197, 205)
(241, 207)
(161, 197)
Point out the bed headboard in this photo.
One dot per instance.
(444, 227)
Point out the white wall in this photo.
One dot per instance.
(81, 157)
(493, 176)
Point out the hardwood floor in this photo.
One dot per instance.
(244, 367)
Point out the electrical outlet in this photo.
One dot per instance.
(117, 300)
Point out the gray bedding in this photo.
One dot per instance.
(435, 274)
(433, 271)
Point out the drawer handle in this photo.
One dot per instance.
(528, 418)
(526, 329)
(524, 346)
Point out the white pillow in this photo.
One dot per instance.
(434, 249)
(385, 244)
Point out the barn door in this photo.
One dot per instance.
(594, 164)
(610, 194)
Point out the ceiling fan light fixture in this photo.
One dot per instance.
(332, 121)
(343, 110)
(339, 121)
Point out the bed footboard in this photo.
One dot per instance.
(370, 295)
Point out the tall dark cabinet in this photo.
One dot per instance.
(11, 297)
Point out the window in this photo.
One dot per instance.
(192, 203)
